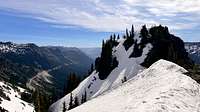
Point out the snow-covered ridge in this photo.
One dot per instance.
(127, 68)
(6, 47)
(11, 99)
(163, 87)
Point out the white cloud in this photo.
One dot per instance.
(108, 15)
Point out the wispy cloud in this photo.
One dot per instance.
(108, 15)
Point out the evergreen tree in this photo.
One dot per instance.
(144, 36)
(111, 37)
(144, 32)
(73, 102)
(127, 33)
(129, 39)
(71, 105)
(76, 102)
(41, 101)
(137, 50)
(124, 79)
(106, 63)
(114, 38)
(105, 60)
(71, 83)
(118, 37)
(132, 32)
(103, 43)
(64, 107)
(84, 98)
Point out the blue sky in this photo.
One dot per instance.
(85, 23)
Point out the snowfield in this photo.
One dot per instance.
(163, 87)
(15, 104)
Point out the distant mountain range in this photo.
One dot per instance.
(92, 52)
(193, 48)
(24, 64)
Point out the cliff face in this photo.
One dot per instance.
(166, 46)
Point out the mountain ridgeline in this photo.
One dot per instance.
(20, 63)
(193, 48)
(165, 46)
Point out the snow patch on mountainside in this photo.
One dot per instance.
(193, 48)
(127, 68)
(10, 99)
(9, 47)
(162, 87)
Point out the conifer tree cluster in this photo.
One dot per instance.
(129, 38)
(74, 102)
(72, 82)
(84, 97)
(138, 47)
(124, 79)
(41, 101)
(64, 107)
(165, 46)
(106, 63)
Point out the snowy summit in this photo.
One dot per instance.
(163, 87)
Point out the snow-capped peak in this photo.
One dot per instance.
(161, 88)
(9, 47)
(167, 65)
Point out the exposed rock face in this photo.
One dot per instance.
(166, 46)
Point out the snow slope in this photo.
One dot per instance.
(162, 87)
(128, 67)
(13, 103)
